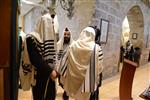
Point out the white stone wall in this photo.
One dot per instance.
(83, 10)
(31, 18)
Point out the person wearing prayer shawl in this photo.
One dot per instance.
(64, 42)
(129, 51)
(84, 65)
(41, 47)
(62, 46)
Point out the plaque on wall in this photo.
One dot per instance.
(134, 35)
(104, 26)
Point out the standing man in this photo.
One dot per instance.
(41, 48)
(64, 42)
(62, 46)
(84, 64)
(129, 51)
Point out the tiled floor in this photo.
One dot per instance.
(110, 87)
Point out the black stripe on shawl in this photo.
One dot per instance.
(92, 70)
(100, 50)
(46, 50)
(84, 85)
(90, 78)
(94, 66)
(101, 59)
(49, 47)
(64, 66)
(64, 71)
(49, 50)
(47, 54)
(45, 45)
(100, 55)
(49, 61)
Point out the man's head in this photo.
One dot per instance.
(97, 34)
(66, 36)
(128, 42)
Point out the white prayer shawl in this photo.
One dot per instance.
(61, 50)
(26, 70)
(92, 75)
(23, 35)
(44, 37)
(78, 63)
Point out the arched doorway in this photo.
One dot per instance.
(136, 25)
(133, 30)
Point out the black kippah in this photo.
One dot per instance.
(66, 29)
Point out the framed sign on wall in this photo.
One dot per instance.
(104, 26)
(134, 35)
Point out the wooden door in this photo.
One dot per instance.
(6, 55)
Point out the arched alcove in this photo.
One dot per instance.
(136, 26)
(133, 28)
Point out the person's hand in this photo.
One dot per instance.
(53, 75)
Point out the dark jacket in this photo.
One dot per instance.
(43, 73)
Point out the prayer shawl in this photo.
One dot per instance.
(84, 63)
(92, 75)
(22, 35)
(26, 70)
(61, 51)
(44, 37)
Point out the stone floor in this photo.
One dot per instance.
(110, 87)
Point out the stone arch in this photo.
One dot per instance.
(136, 25)
(135, 18)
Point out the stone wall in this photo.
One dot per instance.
(110, 10)
(31, 18)
(83, 10)
(115, 12)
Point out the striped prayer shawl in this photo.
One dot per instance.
(81, 55)
(63, 63)
(46, 50)
(91, 80)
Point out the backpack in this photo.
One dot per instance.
(27, 71)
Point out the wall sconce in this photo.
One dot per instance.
(68, 6)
